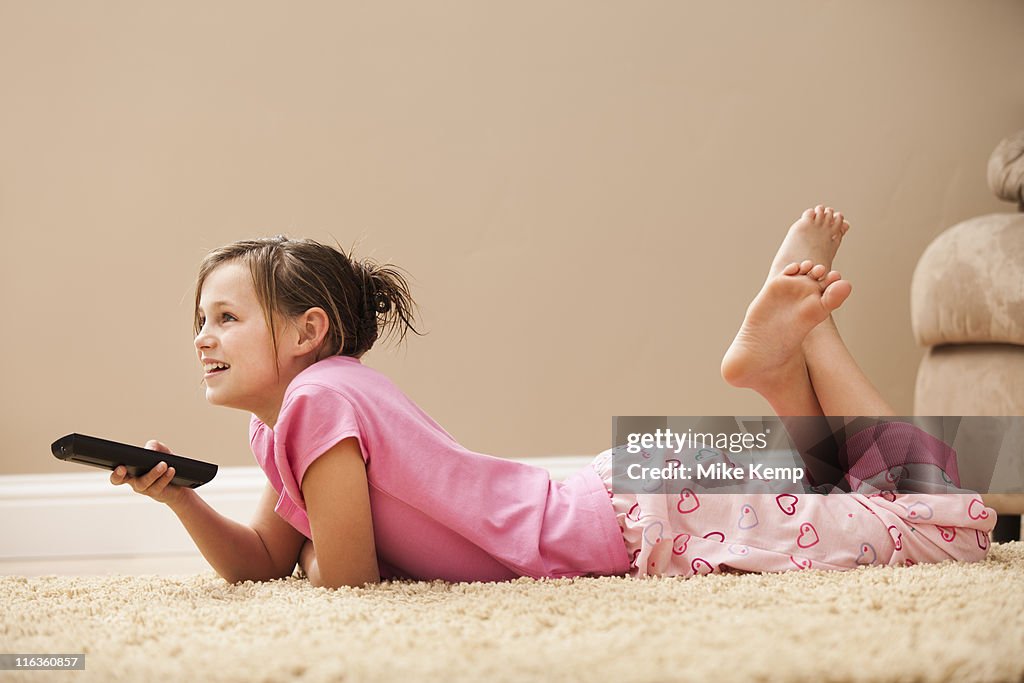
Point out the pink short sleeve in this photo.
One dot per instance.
(312, 420)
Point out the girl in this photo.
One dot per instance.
(363, 485)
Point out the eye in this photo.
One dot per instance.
(224, 318)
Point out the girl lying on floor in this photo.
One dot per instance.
(363, 485)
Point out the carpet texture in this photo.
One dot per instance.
(946, 622)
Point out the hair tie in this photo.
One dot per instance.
(382, 303)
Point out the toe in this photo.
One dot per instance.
(791, 269)
(833, 276)
(809, 213)
(805, 266)
(835, 294)
(845, 226)
(817, 272)
(819, 211)
(838, 219)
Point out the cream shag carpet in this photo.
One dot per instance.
(947, 622)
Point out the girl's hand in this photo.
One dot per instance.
(156, 483)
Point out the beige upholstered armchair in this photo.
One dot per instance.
(967, 307)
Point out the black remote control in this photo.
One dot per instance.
(90, 450)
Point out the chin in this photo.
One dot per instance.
(222, 402)
(214, 400)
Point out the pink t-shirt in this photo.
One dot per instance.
(439, 510)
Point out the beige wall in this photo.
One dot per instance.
(587, 194)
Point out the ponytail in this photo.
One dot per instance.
(387, 305)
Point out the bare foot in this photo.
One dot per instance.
(815, 235)
(767, 349)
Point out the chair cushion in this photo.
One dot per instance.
(1006, 169)
(968, 286)
(972, 379)
(977, 379)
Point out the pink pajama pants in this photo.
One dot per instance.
(687, 534)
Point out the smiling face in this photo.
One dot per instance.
(234, 332)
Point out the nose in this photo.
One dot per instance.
(204, 339)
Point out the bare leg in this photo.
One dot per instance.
(840, 385)
(766, 356)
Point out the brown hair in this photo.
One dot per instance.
(361, 298)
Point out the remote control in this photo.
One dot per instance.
(90, 450)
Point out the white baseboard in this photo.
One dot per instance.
(80, 515)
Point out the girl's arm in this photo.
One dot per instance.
(266, 550)
(337, 499)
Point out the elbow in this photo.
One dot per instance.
(236, 577)
(233, 579)
(338, 577)
(320, 582)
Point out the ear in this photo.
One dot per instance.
(311, 327)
